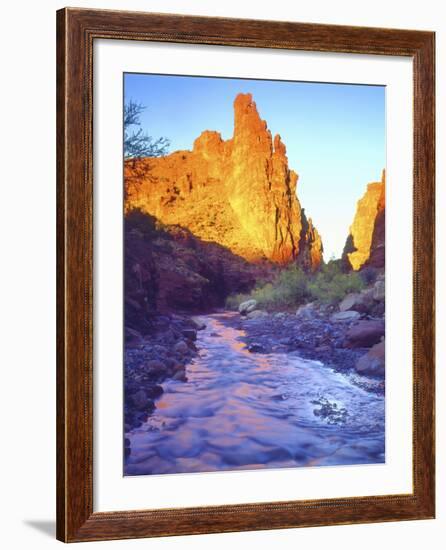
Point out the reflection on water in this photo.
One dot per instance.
(242, 410)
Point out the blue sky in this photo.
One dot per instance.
(334, 133)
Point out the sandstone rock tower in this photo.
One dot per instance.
(366, 242)
(239, 193)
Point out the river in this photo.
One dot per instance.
(242, 410)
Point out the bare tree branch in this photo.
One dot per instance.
(137, 143)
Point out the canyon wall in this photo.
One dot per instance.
(365, 245)
(239, 193)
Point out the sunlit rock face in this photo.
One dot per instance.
(239, 193)
(365, 244)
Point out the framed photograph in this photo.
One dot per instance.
(245, 275)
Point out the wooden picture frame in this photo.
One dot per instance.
(76, 31)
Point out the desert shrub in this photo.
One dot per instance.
(140, 221)
(330, 285)
(368, 275)
(293, 287)
(288, 290)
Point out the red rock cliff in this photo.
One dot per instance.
(366, 242)
(239, 193)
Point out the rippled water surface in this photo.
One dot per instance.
(242, 410)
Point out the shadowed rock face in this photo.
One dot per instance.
(365, 245)
(239, 193)
(169, 269)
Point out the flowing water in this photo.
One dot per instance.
(242, 410)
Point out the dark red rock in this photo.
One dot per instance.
(373, 362)
(365, 334)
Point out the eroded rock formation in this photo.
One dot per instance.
(239, 193)
(365, 244)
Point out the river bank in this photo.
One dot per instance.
(314, 335)
(150, 360)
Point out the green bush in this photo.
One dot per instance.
(330, 285)
(289, 289)
(293, 287)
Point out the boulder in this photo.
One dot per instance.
(365, 334)
(345, 316)
(379, 291)
(360, 301)
(246, 307)
(256, 314)
(348, 302)
(373, 362)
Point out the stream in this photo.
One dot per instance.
(242, 410)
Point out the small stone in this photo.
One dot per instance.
(159, 350)
(181, 347)
(280, 315)
(190, 334)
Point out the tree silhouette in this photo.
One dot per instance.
(139, 147)
(137, 143)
